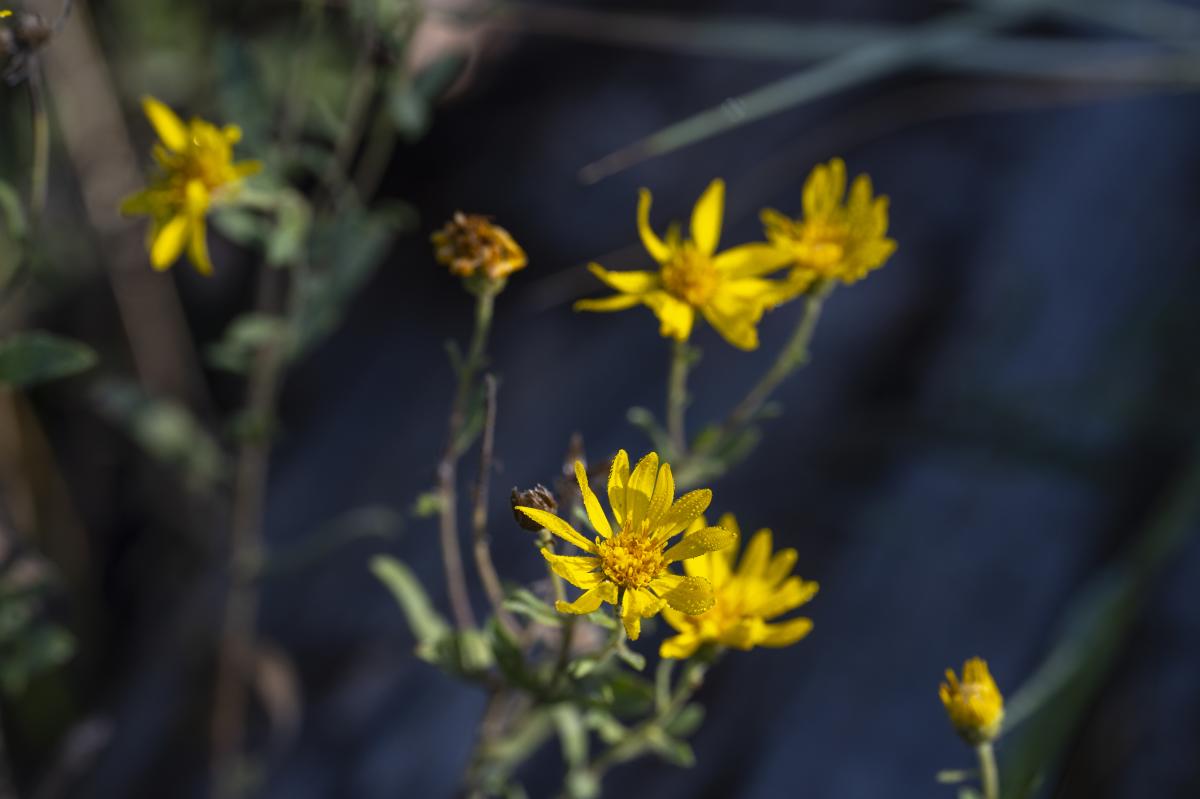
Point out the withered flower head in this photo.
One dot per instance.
(470, 244)
(537, 497)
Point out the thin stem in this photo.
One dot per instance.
(483, 553)
(235, 661)
(988, 773)
(40, 173)
(677, 397)
(794, 355)
(456, 582)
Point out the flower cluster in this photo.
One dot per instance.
(835, 238)
(196, 172)
(974, 703)
(758, 589)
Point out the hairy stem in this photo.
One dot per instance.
(483, 553)
(456, 581)
(235, 662)
(988, 775)
(677, 397)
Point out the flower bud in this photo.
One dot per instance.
(471, 246)
(537, 497)
(974, 704)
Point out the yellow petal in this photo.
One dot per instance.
(650, 240)
(709, 539)
(232, 133)
(627, 282)
(716, 566)
(685, 511)
(693, 596)
(663, 496)
(680, 647)
(785, 633)
(169, 242)
(559, 527)
(734, 318)
(675, 317)
(640, 488)
(780, 567)
(579, 571)
(167, 124)
(743, 635)
(793, 593)
(635, 606)
(595, 513)
(756, 556)
(198, 248)
(590, 600)
(138, 204)
(244, 169)
(706, 217)
(752, 260)
(618, 480)
(617, 302)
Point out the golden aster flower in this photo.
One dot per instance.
(728, 288)
(196, 172)
(470, 244)
(836, 238)
(760, 589)
(974, 704)
(628, 564)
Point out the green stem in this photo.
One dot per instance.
(677, 397)
(40, 177)
(452, 561)
(988, 774)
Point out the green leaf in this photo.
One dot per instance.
(427, 504)
(572, 733)
(427, 625)
(165, 430)
(30, 358)
(686, 721)
(670, 749)
(244, 337)
(524, 602)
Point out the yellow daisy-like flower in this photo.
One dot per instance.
(628, 564)
(728, 288)
(760, 589)
(196, 173)
(4, 12)
(836, 238)
(974, 704)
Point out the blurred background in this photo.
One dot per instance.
(993, 452)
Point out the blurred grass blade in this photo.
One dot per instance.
(1047, 709)
(917, 46)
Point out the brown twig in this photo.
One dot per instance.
(236, 649)
(483, 553)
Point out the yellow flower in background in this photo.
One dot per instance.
(974, 704)
(759, 589)
(4, 12)
(470, 244)
(728, 288)
(628, 564)
(836, 238)
(196, 173)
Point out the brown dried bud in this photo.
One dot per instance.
(470, 244)
(537, 497)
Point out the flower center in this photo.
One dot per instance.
(630, 559)
(822, 244)
(690, 276)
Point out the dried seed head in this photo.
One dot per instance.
(470, 244)
(537, 497)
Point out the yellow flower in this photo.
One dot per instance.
(760, 589)
(4, 12)
(975, 706)
(836, 238)
(470, 244)
(196, 173)
(628, 564)
(728, 288)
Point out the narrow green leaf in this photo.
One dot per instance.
(30, 358)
